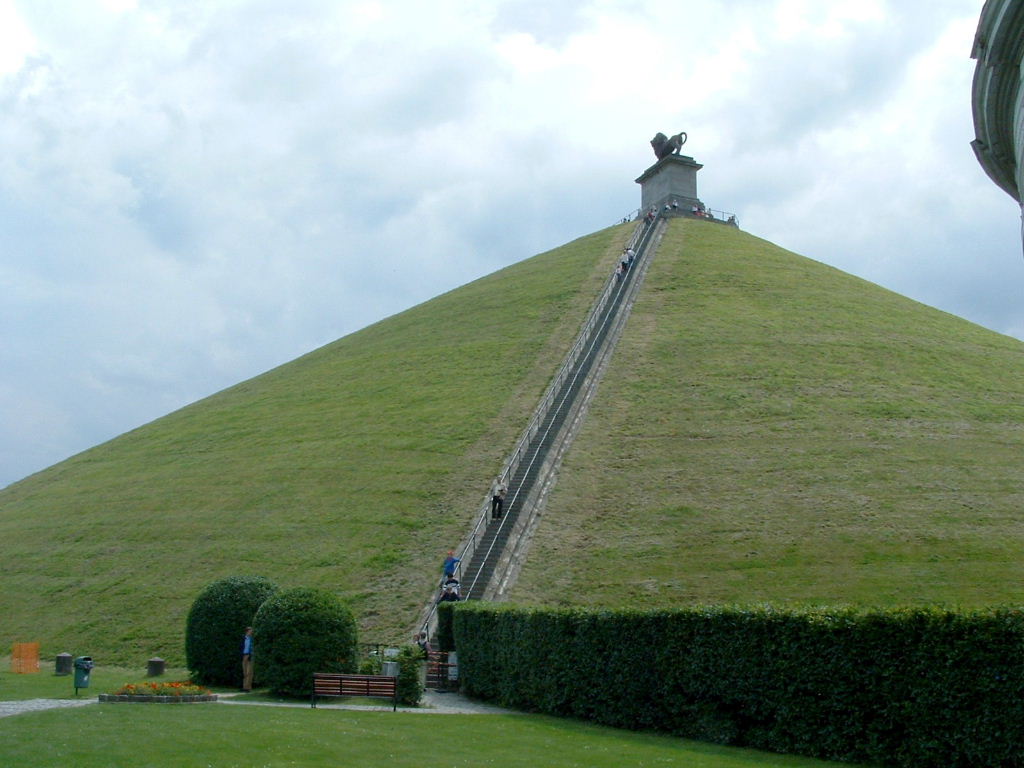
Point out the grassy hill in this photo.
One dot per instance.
(353, 468)
(772, 429)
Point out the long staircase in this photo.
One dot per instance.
(486, 554)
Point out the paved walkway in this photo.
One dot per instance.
(8, 708)
(434, 703)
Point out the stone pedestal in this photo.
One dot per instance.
(671, 178)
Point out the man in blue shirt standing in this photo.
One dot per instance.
(247, 660)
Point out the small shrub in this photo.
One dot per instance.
(215, 626)
(410, 689)
(371, 665)
(299, 632)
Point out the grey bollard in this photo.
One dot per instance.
(155, 667)
(62, 664)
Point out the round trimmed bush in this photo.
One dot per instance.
(215, 626)
(301, 631)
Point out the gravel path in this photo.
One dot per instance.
(8, 708)
(434, 703)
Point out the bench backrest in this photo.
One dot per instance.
(328, 684)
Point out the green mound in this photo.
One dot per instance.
(772, 429)
(353, 468)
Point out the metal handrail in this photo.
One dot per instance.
(614, 286)
(723, 217)
(540, 413)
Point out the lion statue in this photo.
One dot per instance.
(665, 145)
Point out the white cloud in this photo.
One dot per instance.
(16, 41)
(192, 192)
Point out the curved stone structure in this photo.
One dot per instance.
(998, 94)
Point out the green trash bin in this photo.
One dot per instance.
(83, 666)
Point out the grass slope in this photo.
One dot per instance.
(771, 429)
(353, 468)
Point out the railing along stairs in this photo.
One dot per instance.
(482, 550)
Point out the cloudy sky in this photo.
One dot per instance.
(192, 192)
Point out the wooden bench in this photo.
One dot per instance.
(377, 686)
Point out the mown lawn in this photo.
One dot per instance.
(46, 685)
(354, 468)
(772, 429)
(239, 736)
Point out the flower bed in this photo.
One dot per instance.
(143, 698)
(163, 693)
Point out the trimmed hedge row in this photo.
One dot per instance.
(921, 687)
(445, 633)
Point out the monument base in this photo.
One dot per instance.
(671, 179)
